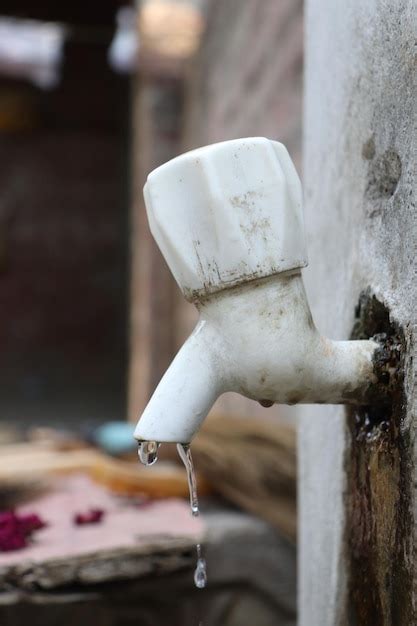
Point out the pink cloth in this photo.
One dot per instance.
(124, 524)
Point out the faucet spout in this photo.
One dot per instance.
(186, 392)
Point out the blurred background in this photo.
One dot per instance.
(64, 204)
(90, 315)
(93, 96)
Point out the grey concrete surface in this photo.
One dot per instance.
(360, 163)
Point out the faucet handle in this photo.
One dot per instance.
(226, 214)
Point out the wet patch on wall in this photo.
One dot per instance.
(378, 498)
(384, 173)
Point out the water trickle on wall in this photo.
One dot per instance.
(378, 521)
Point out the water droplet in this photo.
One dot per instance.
(266, 403)
(148, 452)
(200, 574)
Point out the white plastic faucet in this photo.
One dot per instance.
(228, 220)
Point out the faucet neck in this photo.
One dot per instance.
(270, 348)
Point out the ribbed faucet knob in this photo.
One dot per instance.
(226, 214)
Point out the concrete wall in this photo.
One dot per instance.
(360, 162)
(248, 76)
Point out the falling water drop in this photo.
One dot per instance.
(200, 574)
(148, 452)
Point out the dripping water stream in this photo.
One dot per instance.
(200, 574)
(148, 455)
(185, 456)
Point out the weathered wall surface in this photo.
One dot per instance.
(360, 163)
(248, 77)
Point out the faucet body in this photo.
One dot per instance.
(255, 333)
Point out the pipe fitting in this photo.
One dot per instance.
(228, 221)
